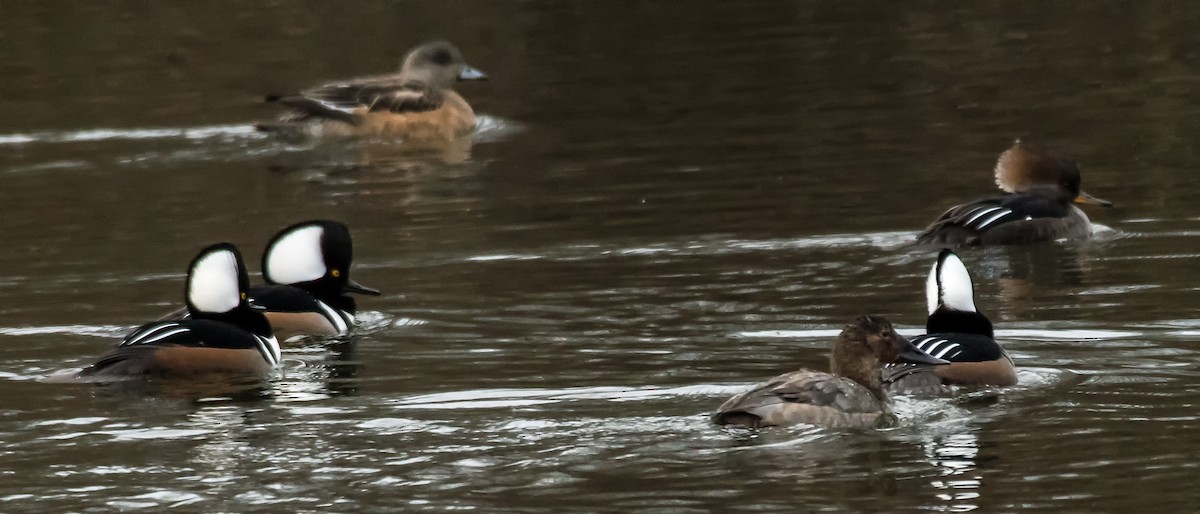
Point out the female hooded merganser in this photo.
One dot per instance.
(852, 396)
(955, 331)
(417, 103)
(1040, 187)
(307, 267)
(222, 335)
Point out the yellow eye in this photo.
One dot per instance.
(335, 273)
(243, 296)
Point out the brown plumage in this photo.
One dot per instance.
(850, 396)
(417, 103)
(1041, 188)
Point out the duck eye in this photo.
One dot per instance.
(335, 273)
(442, 57)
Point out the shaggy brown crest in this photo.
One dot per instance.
(1041, 187)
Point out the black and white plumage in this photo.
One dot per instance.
(222, 333)
(307, 270)
(1041, 190)
(955, 331)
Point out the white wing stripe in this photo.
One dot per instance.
(160, 336)
(336, 319)
(982, 211)
(269, 348)
(922, 341)
(146, 333)
(931, 347)
(994, 217)
(945, 350)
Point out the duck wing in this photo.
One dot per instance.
(975, 359)
(191, 332)
(1036, 218)
(143, 350)
(803, 397)
(339, 100)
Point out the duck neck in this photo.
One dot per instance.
(865, 372)
(243, 316)
(944, 321)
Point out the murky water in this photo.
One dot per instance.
(664, 204)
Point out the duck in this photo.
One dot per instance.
(222, 334)
(417, 103)
(956, 331)
(850, 396)
(1041, 188)
(307, 269)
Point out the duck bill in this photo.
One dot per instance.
(910, 353)
(354, 287)
(469, 73)
(1085, 198)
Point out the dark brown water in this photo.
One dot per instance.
(664, 204)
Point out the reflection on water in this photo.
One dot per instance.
(954, 455)
(648, 220)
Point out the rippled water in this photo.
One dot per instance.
(664, 204)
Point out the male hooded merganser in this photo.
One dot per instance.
(1040, 187)
(417, 103)
(307, 267)
(223, 334)
(955, 331)
(852, 396)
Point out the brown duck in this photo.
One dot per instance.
(851, 395)
(416, 103)
(1040, 189)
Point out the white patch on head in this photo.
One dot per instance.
(213, 283)
(953, 286)
(296, 257)
(931, 289)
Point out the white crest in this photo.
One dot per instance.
(949, 285)
(213, 283)
(296, 257)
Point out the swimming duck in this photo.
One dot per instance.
(850, 396)
(307, 269)
(955, 331)
(1040, 188)
(416, 103)
(223, 334)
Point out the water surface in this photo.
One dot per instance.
(663, 205)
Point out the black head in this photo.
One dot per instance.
(950, 298)
(315, 256)
(217, 281)
(216, 289)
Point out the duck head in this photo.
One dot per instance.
(216, 289)
(440, 64)
(868, 343)
(315, 256)
(1029, 168)
(950, 298)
